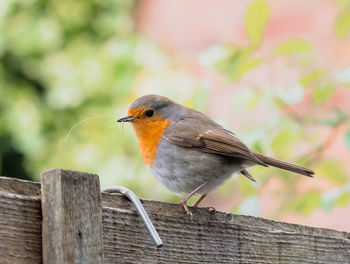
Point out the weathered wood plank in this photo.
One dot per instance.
(17, 186)
(20, 222)
(213, 237)
(72, 217)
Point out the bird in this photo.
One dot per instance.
(188, 152)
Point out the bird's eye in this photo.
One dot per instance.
(149, 113)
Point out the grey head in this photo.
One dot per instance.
(156, 102)
(161, 105)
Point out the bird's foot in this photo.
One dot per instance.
(188, 196)
(188, 212)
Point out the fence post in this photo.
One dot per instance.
(72, 217)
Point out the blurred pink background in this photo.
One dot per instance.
(186, 28)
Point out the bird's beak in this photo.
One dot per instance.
(126, 119)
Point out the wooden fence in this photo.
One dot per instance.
(66, 219)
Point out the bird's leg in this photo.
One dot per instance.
(199, 200)
(184, 200)
(211, 209)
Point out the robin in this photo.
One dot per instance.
(188, 152)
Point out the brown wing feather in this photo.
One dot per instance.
(212, 140)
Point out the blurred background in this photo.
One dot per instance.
(277, 73)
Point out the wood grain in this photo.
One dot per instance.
(72, 217)
(213, 237)
(17, 186)
(70, 198)
(20, 222)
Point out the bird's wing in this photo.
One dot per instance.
(210, 139)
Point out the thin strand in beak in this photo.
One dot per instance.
(83, 121)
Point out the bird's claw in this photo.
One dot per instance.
(188, 212)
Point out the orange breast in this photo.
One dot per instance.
(149, 133)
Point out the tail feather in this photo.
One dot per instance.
(283, 165)
(248, 175)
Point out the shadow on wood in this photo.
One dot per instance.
(213, 237)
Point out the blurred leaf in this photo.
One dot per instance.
(322, 92)
(339, 118)
(293, 46)
(331, 123)
(279, 102)
(253, 102)
(255, 20)
(306, 203)
(342, 3)
(257, 146)
(342, 24)
(333, 171)
(312, 77)
(343, 199)
(347, 139)
(283, 141)
(238, 62)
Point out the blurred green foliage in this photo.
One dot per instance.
(347, 138)
(322, 84)
(292, 47)
(66, 61)
(238, 62)
(342, 25)
(62, 62)
(255, 20)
